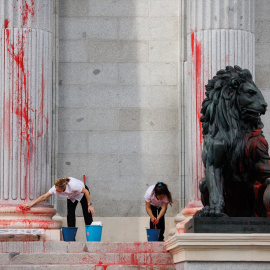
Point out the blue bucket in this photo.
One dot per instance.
(69, 233)
(93, 233)
(152, 234)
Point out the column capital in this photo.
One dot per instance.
(35, 14)
(221, 14)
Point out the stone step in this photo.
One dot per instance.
(87, 267)
(80, 247)
(86, 258)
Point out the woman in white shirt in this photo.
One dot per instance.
(157, 197)
(75, 191)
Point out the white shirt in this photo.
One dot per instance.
(149, 197)
(73, 190)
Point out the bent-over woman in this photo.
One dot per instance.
(157, 197)
(75, 191)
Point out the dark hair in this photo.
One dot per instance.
(61, 182)
(162, 189)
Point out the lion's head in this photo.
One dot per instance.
(233, 103)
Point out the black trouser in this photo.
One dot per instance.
(71, 207)
(161, 223)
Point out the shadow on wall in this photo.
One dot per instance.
(118, 101)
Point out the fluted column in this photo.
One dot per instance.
(25, 104)
(219, 33)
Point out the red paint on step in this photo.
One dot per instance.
(103, 265)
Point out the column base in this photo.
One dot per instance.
(14, 217)
(188, 212)
(34, 218)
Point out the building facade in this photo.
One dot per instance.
(111, 89)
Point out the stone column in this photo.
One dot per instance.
(25, 111)
(219, 33)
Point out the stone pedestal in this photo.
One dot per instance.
(197, 251)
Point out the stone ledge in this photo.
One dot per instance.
(219, 247)
(21, 231)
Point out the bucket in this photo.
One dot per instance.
(69, 233)
(152, 234)
(93, 233)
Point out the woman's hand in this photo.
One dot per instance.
(91, 209)
(25, 206)
(154, 220)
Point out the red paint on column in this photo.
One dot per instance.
(196, 49)
(6, 23)
(21, 95)
(28, 223)
(27, 11)
(21, 100)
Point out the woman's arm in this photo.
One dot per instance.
(149, 211)
(39, 199)
(162, 211)
(88, 198)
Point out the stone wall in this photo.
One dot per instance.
(119, 95)
(118, 100)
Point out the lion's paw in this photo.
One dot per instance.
(208, 211)
(204, 212)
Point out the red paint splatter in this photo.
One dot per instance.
(19, 103)
(6, 23)
(24, 208)
(28, 223)
(21, 96)
(104, 265)
(27, 11)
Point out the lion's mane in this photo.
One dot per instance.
(221, 113)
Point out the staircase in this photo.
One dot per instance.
(84, 255)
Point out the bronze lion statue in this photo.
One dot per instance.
(235, 152)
